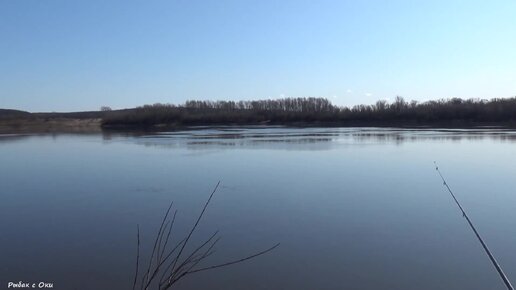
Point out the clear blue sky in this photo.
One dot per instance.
(65, 55)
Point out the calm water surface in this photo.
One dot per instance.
(353, 208)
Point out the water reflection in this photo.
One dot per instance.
(312, 138)
(273, 137)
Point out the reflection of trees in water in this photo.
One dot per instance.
(259, 142)
(202, 144)
(286, 138)
(399, 137)
(255, 141)
(299, 139)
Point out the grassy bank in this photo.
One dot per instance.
(39, 125)
(16, 121)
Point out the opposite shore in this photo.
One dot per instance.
(301, 112)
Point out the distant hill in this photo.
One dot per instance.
(72, 115)
(18, 114)
(8, 113)
(81, 115)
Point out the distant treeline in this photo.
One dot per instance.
(315, 110)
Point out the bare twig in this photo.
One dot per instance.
(168, 235)
(179, 267)
(158, 238)
(137, 255)
(196, 224)
(191, 257)
(166, 270)
(196, 261)
(236, 261)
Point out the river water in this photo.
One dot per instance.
(353, 208)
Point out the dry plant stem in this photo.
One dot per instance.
(194, 262)
(187, 260)
(192, 256)
(236, 261)
(146, 279)
(166, 270)
(137, 255)
(168, 235)
(159, 253)
(176, 266)
(196, 224)
(159, 242)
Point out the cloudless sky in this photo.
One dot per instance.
(68, 55)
